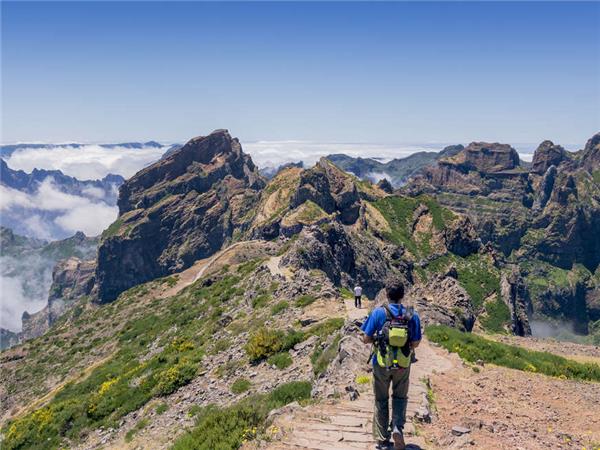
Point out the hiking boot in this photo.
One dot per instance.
(383, 445)
(398, 438)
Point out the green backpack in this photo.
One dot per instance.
(393, 343)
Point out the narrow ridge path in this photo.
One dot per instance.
(345, 424)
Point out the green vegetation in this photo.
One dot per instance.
(476, 275)
(305, 300)
(265, 342)
(240, 385)
(497, 316)
(113, 229)
(161, 408)
(473, 348)
(363, 379)
(126, 381)
(398, 211)
(280, 360)
(138, 426)
(321, 358)
(309, 212)
(228, 428)
(260, 300)
(596, 176)
(279, 307)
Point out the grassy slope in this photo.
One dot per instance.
(156, 347)
(475, 348)
(476, 273)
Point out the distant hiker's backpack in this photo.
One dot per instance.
(393, 342)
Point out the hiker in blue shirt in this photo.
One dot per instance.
(395, 331)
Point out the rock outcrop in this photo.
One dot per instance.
(548, 212)
(516, 296)
(181, 209)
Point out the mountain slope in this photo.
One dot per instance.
(545, 219)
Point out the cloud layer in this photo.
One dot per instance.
(50, 213)
(88, 162)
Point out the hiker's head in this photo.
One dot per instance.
(395, 291)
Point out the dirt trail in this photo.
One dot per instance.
(345, 424)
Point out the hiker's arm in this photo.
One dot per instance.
(415, 344)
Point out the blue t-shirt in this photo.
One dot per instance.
(377, 318)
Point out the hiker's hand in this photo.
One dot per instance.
(414, 344)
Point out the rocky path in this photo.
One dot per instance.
(346, 424)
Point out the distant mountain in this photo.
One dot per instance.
(397, 171)
(35, 202)
(26, 266)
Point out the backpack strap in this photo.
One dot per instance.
(390, 315)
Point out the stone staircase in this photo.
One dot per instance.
(346, 424)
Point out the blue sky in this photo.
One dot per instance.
(344, 72)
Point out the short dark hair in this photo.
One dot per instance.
(395, 291)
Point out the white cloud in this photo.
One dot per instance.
(89, 162)
(275, 153)
(91, 218)
(13, 303)
(71, 212)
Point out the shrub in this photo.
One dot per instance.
(240, 385)
(279, 307)
(305, 300)
(264, 343)
(280, 360)
(227, 428)
(363, 379)
(171, 379)
(472, 348)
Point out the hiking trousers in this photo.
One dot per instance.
(357, 301)
(382, 379)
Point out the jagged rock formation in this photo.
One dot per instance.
(180, 209)
(549, 212)
(516, 296)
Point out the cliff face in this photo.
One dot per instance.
(549, 213)
(178, 210)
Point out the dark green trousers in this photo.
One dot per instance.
(382, 380)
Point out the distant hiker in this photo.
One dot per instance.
(394, 331)
(357, 296)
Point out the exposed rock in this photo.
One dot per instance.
(442, 300)
(461, 238)
(385, 185)
(72, 279)
(547, 154)
(180, 209)
(515, 295)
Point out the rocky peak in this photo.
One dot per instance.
(485, 157)
(182, 208)
(547, 154)
(197, 165)
(591, 153)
